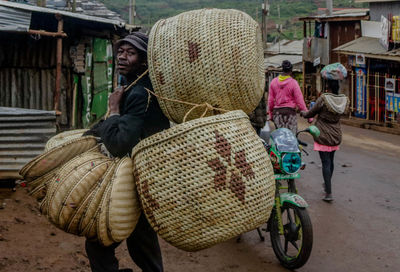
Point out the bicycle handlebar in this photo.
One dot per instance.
(302, 143)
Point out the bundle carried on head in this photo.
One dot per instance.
(208, 56)
(334, 71)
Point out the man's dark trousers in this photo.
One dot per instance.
(142, 245)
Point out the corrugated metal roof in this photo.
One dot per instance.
(14, 20)
(88, 7)
(369, 1)
(25, 7)
(286, 47)
(370, 47)
(23, 136)
(276, 61)
(351, 12)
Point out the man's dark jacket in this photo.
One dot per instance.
(140, 116)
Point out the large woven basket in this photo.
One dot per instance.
(63, 137)
(204, 181)
(209, 56)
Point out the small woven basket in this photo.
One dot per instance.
(209, 56)
(56, 157)
(63, 137)
(93, 196)
(204, 181)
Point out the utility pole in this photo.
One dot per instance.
(132, 11)
(41, 3)
(264, 23)
(257, 15)
(279, 11)
(329, 6)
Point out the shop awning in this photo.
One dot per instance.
(369, 47)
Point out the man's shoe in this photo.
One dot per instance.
(328, 198)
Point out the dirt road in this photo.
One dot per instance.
(359, 231)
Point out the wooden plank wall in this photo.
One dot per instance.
(28, 71)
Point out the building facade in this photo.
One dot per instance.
(322, 33)
(373, 61)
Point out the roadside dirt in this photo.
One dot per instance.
(30, 243)
(358, 232)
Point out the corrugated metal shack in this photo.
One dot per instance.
(322, 33)
(40, 51)
(53, 60)
(274, 54)
(23, 135)
(374, 66)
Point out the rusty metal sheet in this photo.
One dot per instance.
(341, 33)
(23, 136)
(316, 48)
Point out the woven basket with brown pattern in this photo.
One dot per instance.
(204, 181)
(209, 56)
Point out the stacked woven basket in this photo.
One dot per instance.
(208, 179)
(200, 182)
(84, 192)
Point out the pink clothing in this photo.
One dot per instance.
(325, 148)
(283, 94)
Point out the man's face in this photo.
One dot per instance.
(128, 60)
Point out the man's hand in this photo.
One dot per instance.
(115, 99)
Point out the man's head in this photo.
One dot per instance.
(287, 67)
(131, 54)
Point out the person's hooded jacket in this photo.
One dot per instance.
(329, 107)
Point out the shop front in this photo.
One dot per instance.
(374, 75)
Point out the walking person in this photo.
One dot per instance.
(259, 116)
(329, 107)
(283, 99)
(134, 115)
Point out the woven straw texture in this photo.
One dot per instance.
(56, 157)
(204, 181)
(123, 209)
(87, 225)
(38, 187)
(66, 180)
(206, 56)
(68, 166)
(63, 137)
(92, 195)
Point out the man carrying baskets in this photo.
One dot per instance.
(134, 115)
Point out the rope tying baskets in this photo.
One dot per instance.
(204, 181)
(207, 56)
